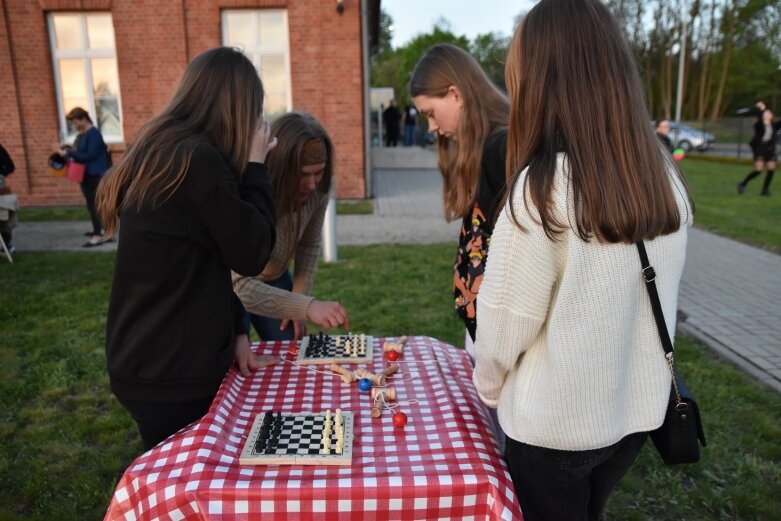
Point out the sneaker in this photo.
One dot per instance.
(765, 192)
(96, 240)
(11, 248)
(741, 187)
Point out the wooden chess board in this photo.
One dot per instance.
(295, 439)
(325, 349)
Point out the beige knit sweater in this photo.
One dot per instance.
(567, 346)
(304, 247)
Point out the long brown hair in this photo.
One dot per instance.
(292, 131)
(574, 88)
(219, 101)
(484, 111)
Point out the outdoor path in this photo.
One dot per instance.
(730, 293)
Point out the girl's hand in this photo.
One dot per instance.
(299, 328)
(246, 360)
(328, 315)
(262, 142)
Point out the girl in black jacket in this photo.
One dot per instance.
(194, 203)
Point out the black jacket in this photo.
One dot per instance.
(6, 164)
(172, 314)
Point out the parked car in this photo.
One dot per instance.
(689, 138)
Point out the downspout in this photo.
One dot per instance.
(365, 55)
(19, 113)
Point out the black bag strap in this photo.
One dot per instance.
(649, 275)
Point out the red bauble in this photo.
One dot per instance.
(399, 419)
(392, 356)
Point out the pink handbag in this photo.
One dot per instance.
(75, 171)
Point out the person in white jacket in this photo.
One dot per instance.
(567, 347)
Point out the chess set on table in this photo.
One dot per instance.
(325, 349)
(444, 460)
(303, 438)
(308, 438)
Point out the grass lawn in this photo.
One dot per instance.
(79, 213)
(356, 207)
(66, 441)
(54, 213)
(718, 207)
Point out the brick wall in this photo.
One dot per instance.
(155, 39)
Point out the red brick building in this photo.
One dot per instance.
(122, 59)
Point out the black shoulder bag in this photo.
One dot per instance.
(678, 439)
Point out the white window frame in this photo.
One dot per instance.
(259, 50)
(86, 55)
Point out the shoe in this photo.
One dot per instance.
(765, 192)
(741, 187)
(96, 240)
(11, 248)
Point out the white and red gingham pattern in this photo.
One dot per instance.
(445, 464)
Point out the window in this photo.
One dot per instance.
(85, 71)
(262, 36)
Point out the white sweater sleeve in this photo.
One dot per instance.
(515, 295)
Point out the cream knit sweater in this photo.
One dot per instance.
(264, 300)
(567, 346)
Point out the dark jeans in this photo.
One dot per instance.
(89, 187)
(560, 485)
(268, 328)
(158, 420)
(409, 135)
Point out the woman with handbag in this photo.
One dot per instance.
(90, 151)
(567, 346)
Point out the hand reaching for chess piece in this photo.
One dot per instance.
(246, 360)
(328, 314)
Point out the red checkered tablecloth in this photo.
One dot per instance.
(445, 464)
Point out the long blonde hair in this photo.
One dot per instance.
(574, 88)
(484, 111)
(219, 101)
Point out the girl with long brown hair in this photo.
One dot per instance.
(469, 114)
(567, 345)
(300, 170)
(194, 202)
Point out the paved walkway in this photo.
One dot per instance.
(730, 293)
